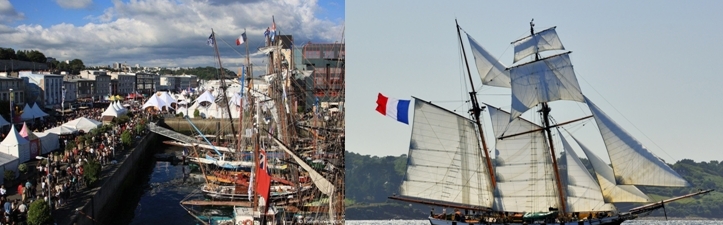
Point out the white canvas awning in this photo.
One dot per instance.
(61, 130)
(83, 124)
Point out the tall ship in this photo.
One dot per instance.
(281, 164)
(535, 177)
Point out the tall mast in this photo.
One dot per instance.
(546, 118)
(223, 82)
(476, 111)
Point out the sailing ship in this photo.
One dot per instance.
(449, 163)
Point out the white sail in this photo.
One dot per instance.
(583, 192)
(541, 41)
(611, 192)
(632, 163)
(491, 70)
(546, 80)
(445, 162)
(524, 172)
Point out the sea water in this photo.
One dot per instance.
(632, 222)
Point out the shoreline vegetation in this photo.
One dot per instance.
(371, 179)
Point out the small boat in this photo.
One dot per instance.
(239, 192)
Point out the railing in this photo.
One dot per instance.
(171, 134)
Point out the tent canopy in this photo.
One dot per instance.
(37, 111)
(61, 130)
(111, 111)
(83, 124)
(156, 102)
(206, 97)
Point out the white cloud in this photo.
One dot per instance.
(8, 13)
(174, 32)
(74, 4)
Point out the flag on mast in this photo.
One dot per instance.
(241, 39)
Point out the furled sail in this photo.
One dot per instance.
(524, 172)
(491, 70)
(445, 161)
(632, 163)
(611, 192)
(583, 192)
(541, 41)
(545, 80)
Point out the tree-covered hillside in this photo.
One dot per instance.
(371, 179)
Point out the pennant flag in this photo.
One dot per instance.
(263, 178)
(241, 39)
(273, 24)
(267, 32)
(210, 41)
(394, 108)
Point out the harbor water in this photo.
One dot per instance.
(155, 196)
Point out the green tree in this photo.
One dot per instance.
(91, 171)
(39, 213)
(9, 175)
(21, 55)
(76, 65)
(196, 113)
(7, 53)
(126, 138)
(36, 56)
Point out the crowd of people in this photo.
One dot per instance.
(59, 178)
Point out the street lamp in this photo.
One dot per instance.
(47, 177)
(10, 95)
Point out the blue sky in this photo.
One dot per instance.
(160, 32)
(652, 67)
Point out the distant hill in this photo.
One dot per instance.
(371, 179)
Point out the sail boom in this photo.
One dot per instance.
(438, 203)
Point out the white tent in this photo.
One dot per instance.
(28, 113)
(8, 162)
(156, 102)
(37, 111)
(61, 130)
(111, 111)
(16, 145)
(166, 97)
(120, 107)
(48, 141)
(83, 124)
(206, 97)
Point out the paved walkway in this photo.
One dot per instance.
(68, 211)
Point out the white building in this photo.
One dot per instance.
(71, 91)
(101, 87)
(126, 82)
(43, 88)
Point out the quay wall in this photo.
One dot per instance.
(107, 197)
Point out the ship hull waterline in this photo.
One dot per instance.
(606, 221)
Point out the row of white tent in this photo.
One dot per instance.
(159, 100)
(115, 109)
(29, 112)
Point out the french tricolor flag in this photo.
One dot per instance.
(394, 108)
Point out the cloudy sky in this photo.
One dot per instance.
(164, 33)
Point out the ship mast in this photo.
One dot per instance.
(476, 110)
(546, 118)
(223, 82)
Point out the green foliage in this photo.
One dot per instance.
(140, 127)
(7, 53)
(204, 73)
(39, 213)
(70, 146)
(126, 138)
(196, 113)
(91, 171)
(122, 119)
(9, 175)
(23, 168)
(371, 179)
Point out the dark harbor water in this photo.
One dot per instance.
(633, 222)
(155, 196)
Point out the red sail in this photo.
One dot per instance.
(264, 179)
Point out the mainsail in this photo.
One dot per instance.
(445, 162)
(541, 41)
(523, 165)
(631, 161)
(545, 80)
(611, 192)
(491, 70)
(583, 193)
